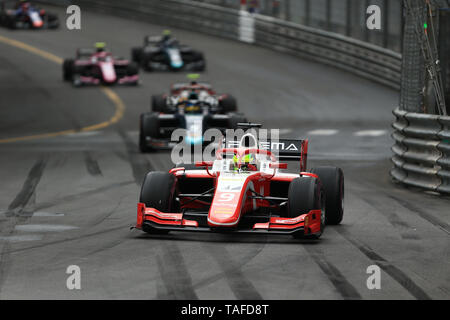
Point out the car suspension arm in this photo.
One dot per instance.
(196, 196)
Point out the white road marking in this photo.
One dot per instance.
(370, 133)
(25, 237)
(322, 132)
(47, 214)
(284, 131)
(83, 134)
(43, 228)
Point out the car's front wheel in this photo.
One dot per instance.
(158, 191)
(305, 194)
(68, 69)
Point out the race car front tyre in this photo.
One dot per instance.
(148, 127)
(228, 103)
(158, 103)
(157, 192)
(305, 194)
(332, 179)
(68, 69)
(132, 69)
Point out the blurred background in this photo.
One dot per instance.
(346, 17)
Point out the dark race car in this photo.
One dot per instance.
(202, 91)
(161, 53)
(192, 106)
(244, 191)
(24, 15)
(97, 66)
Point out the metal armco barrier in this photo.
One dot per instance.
(361, 58)
(422, 150)
(364, 59)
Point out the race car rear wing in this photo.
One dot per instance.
(283, 149)
(288, 149)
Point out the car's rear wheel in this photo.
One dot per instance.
(52, 21)
(234, 120)
(305, 194)
(201, 62)
(149, 127)
(228, 103)
(158, 103)
(158, 191)
(188, 166)
(332, 180)
(136, 55)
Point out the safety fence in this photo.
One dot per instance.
(346, 17)
(362, 58)
(422, 150)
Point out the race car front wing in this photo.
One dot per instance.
(150, 218)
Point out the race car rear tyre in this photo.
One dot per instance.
(148, 127)
(52, 21)
(332, 179)
(188, 166)
(234, 120)
(158, 103)
(201, 62)
(136, 55)
(305, 194)
(158, 191)
(228, 103)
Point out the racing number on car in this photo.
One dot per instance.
(226, 197)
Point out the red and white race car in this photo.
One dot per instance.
(244, 190)
(98, 66)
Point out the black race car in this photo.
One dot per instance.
(161, 53)
(194, 107)
(24, 15)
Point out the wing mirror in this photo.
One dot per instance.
(278, 165)
(204, 164)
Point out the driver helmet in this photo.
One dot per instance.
(166, 34)
(193, 95)
(193, 77)
(100, 46)
(245, 163)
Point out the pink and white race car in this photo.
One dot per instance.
(97, 66)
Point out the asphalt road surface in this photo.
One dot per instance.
(69, 199)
